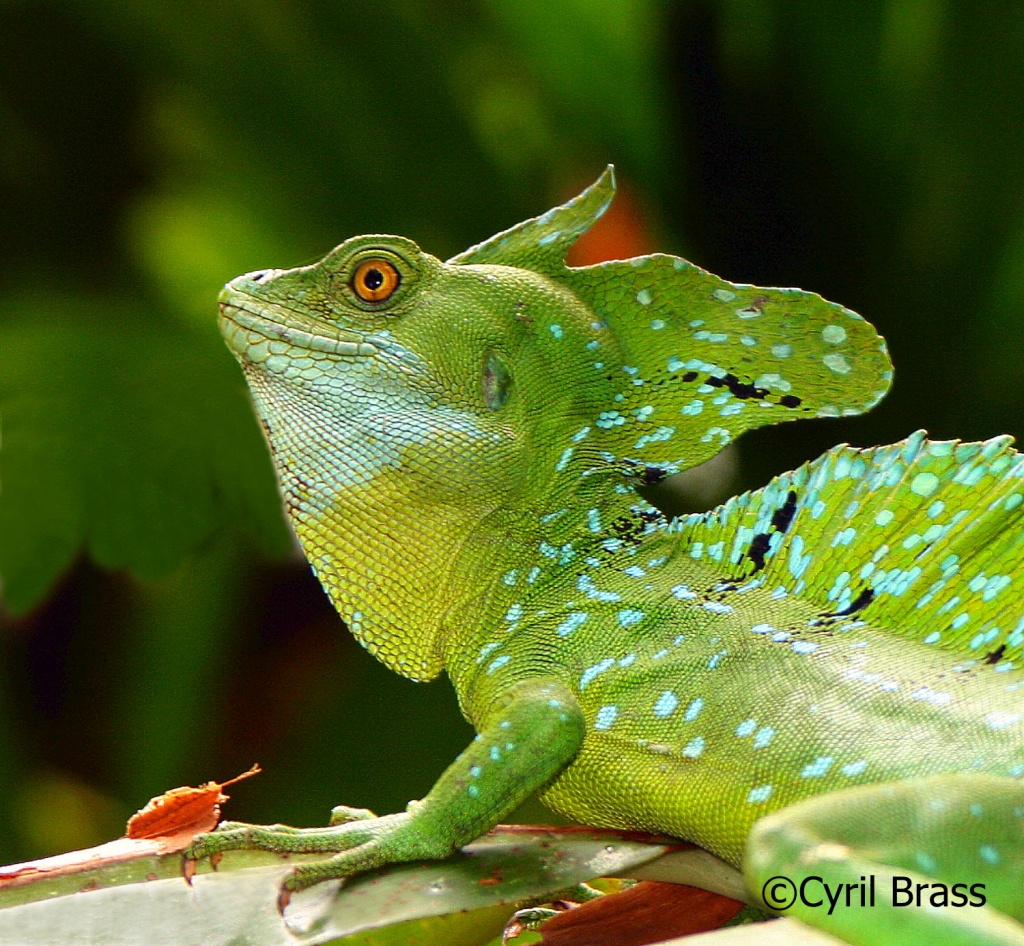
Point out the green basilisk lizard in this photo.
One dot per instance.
(819, 679)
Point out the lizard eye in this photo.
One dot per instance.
(497, 382)
(375, 280)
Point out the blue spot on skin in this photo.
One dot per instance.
(716, 607)
(495, 754)
(804, 647)
(977, 810)
(549, 238)
(644, 297)
(746, 728)
(606, 715)
(1001, 719)
(498, 662)
(573, 621)
(818, 767)
(759, 794)
(629, 617)
(925, 861)
(694, 747)
(666, 704)
(486, 651)
(591, 672)
(473, 791)
(854, 768)
(693, 710)
(556, 330)
(764, 736)
(989, 854)
(475, 771)
(763, 629)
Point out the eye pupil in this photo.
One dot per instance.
(375, 280)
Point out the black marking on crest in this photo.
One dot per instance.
(740, 390)
(858, 604)
(790, 400)
(648, 474)
(758, 549)
(782, 518)
(652, 475)
(996, 655)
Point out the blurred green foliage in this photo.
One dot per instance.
(158, 627)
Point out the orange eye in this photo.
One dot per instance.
(375, 280)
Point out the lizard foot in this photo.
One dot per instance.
(356, 840)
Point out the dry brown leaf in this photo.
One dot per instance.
(182, 812)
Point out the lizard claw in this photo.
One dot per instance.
(188, 868)
(189, 865)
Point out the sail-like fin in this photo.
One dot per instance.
(922, 538)
(699, 360)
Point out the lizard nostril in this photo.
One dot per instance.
(262, 274)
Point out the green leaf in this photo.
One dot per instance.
(122, 435)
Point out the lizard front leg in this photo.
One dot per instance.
(533, 731)
(928, 860)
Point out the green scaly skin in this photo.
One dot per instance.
(818, 678)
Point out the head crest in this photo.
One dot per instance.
(541, 243)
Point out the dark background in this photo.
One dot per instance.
(157, 628)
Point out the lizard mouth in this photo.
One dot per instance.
(242, 317)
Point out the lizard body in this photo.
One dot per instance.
(457, 444)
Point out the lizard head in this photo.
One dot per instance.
(408, 402)
(447, 413)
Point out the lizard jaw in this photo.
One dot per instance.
(242, 317)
